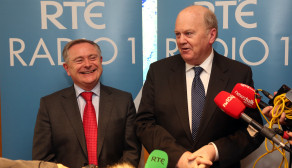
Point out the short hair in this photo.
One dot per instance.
(74, 42)
(211, 20)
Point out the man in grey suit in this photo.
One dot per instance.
(8, 163)
(59, 135)
(165, 118)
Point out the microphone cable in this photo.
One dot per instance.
(282, 101)
(280, 107)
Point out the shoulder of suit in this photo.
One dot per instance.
(230, 62)
(66, 91)
(176, 59)
(110, 89)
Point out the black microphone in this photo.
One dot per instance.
(283, 89)
(267, 94)
(235, 108)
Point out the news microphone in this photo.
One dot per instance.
(282, 133)
(283, 89)
(248, 96)
(268, 95)
(232, 106)
(157, 159)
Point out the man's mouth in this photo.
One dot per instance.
(88, 72)
(185, 49)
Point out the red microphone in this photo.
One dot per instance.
(247, 95)
(229, 104)
(235, 108)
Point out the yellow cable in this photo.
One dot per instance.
(279, 107)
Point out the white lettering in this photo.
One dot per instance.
(16, 52)
(17, 46)
(245, 99)
(224, 46)
(209, 5)
(45, 16)
(74, 6)
(168, 51)
(115, 49)
(225, 5)
(228, 99)
(239, 14)
(88, 15)
(132, 39)
(59, 49)
(36, 55)
(286, 39)
(255, 39)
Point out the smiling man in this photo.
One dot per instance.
(87, 123)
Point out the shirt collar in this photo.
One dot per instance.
(206, 65)
(95, 90)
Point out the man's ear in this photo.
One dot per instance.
(213, 34)
(66, 67)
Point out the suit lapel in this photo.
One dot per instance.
(177, 82)
(105, 112)
(71, 109)
(218, 81)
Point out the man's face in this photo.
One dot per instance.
(192, 37)
(84, 65)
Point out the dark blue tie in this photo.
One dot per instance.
(198, 99)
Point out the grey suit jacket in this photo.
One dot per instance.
(7, 163)
(59, 134)
(163, 123)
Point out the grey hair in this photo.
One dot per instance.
(74, 42)
(211, 21)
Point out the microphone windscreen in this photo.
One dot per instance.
(229, 104)
(246, 94)
(157, 159)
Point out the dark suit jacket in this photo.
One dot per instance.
(59, 134)
(163, 122)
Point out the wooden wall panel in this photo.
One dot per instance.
(0, 131)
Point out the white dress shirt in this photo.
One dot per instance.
(205, 77)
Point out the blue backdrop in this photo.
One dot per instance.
(33, 34)
(255, 32)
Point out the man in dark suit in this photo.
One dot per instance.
(165, 118)
(59, 134)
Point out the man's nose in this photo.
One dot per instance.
(182, 39)
(87, 62)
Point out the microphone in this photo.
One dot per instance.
(157, 159)
(268, 95)
(247, 95)
(283, 89)
(232, 106)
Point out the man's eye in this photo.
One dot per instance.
(93, 57)
(78, 60)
